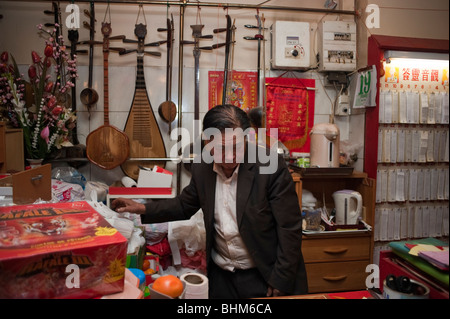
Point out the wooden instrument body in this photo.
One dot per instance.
(144, 135)
(167, 109)
(141, 126)
(107, 146)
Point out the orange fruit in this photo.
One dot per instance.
(146, 264)
(168, 285)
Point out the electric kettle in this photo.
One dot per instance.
(348, 204)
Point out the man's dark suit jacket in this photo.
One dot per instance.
(268, 216)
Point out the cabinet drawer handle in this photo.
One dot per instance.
(36, 178)
(336, 251)
(337, 278)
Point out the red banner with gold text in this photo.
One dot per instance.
(290, 109)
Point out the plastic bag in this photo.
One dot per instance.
(63, 192)
(189, 234)
(69, 175)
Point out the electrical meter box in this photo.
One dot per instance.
(337, 46)
(290, 45)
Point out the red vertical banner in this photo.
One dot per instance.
(243, 89)
(290, 109)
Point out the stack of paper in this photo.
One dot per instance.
(437, 258)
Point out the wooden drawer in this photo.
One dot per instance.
(336, 276)
(336, 249)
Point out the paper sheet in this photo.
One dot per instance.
(392, 181)
(397, 219)
(386, 146)
(412, 184)
(445, 108)
(380, 146)
(421, 247)
(426, 184)
(381, 107)
(434, 180)
(418, 221)
(393, 152)
(404, 223)
(425, 221)
(402, 106)
(408, 146)
(395, 115)
(419, 194)
(430, 147)
(401, 136)
(388, 107)
(423, 146)
(431, 109)
(415, 146)
(423, 116)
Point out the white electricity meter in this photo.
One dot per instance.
(290, 45)
(337, 46)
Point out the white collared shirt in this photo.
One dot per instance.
(229, 252)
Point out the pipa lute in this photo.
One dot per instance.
(107, 146)
(141, 127)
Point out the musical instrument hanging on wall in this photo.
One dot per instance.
(89, 96)
(257, 113)
(197, 34)
(141, 127)
(167, 110)
(229, 58)
(107, 146)
(73, 38)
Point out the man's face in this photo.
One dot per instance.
(228, 149)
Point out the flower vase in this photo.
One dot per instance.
(35, 162)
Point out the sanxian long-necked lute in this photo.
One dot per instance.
(107, 146)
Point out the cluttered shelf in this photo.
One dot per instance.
(336, 253)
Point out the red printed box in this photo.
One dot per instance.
(63, 250)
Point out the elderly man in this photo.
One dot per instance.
(252, 218)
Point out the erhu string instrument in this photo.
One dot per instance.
(229, 57)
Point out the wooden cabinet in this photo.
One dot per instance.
(337, 261)
(11, 149)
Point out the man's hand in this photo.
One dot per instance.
(273, 292)
(122, 205)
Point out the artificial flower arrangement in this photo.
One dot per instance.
(41, 107)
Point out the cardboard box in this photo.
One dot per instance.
(157, 178)
(63, 250)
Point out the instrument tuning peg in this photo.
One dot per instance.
(152, 44)
(88, 14)
(49, 12)
(82, 51)
(117, 37)
(218, 45)
(123, 51)
(125, 40)
(117, 49)
(154, 53)
(219, 30)
(208, 36)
